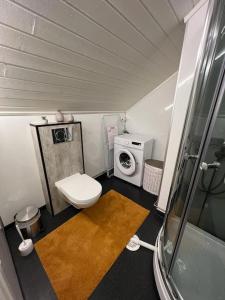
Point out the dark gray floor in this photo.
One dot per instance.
(131, 277)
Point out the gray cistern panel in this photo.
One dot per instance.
(59, 152)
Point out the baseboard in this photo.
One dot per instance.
(103, 173)
(160, 210)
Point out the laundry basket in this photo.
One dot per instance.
(152, 176)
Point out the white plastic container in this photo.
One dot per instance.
(152, 176)
(59, 116)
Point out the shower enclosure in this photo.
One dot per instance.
(190, 261)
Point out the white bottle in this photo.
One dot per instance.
(59, 116)
(70, 118)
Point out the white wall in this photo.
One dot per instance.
(189, 57)
(152, 115)
(20, 182)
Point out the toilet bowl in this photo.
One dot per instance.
(80, 190)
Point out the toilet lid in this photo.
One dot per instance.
(79, 188)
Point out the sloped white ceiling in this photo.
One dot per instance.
(87, 55)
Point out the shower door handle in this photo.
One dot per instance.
(204, 166)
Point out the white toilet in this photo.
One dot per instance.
(80, 190)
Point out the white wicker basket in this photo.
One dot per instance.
(152, 176)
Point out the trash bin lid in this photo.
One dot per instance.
(155, 163)
(27, 214)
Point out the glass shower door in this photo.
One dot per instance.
(198, 270)
(209, 81)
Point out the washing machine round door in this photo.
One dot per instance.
(125, 162)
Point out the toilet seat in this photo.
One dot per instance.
(80, 189)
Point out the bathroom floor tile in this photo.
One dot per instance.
(131, 277)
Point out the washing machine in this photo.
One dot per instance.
(130, 153)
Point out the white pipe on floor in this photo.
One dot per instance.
(147, 245)
(144, 244)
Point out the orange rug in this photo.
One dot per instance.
(78, 254)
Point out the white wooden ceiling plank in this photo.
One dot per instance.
(6, 101)
(172, 56)
(103, 14)
(42, 77)
(42, 96)
(2, 69)
(14, 104)
(20, 41)
(195, 2)
(177, 36)
(18, 84)
(76, 22)
(47, 30)
(11, 83)
(163, 13)
(89, 57)
(133, 11)
(19, 58)
(59, 36)
(165, 17)
(181, 8)
(14, 15)
(86, 106)
(15, 72)
(56, 34)
(162, 68)
(19, 19)
(145, 23)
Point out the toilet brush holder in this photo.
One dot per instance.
(26, 246)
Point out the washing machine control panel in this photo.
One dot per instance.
(136, 143)
(129, 142)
